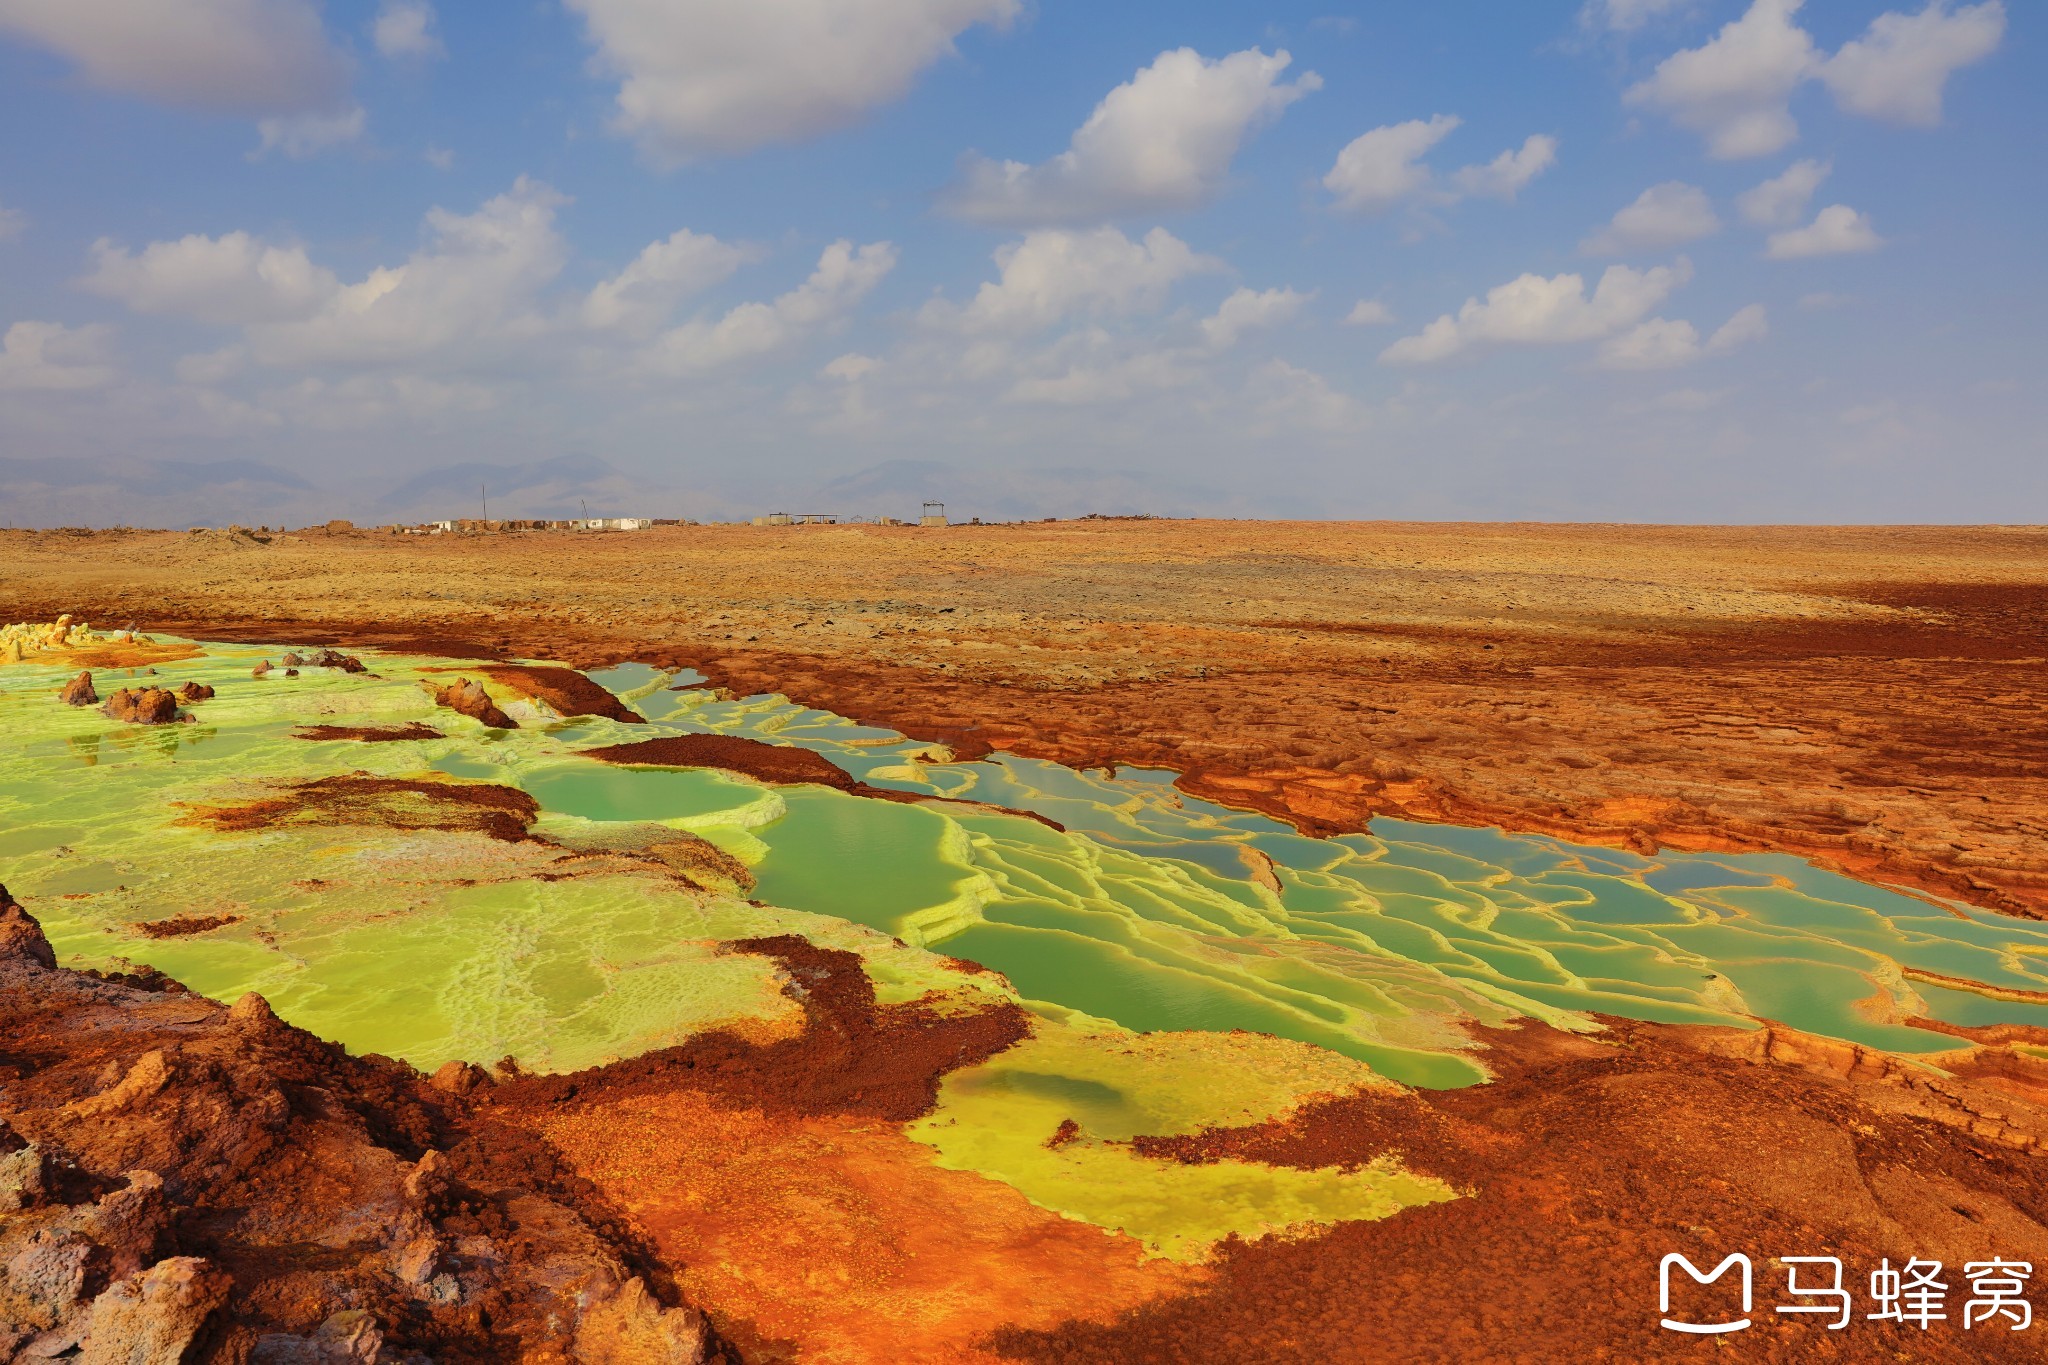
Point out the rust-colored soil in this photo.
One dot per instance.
(1868, 697)
(857, 1058)
(1586, 1162)
(391, 802)
(733, 753)
(368, 734)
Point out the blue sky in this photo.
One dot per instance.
(1680, 260)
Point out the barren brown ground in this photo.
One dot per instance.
(1868, 697)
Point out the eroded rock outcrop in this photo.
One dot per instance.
(467, 697)
(195, 691)
(189, 1184)
(143, 706)
(79, 691)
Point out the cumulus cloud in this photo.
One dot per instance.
(1505, 176)
(1369, 313)
(1662, 344)
(1781, 200)
(1897, 70)
(1055, 273)
(1662, 216)
(1249, 310)
(843, 277)
(1834, 231)
(1087, 368)
(473, 283)
(701, 77)
(13, 222)
(49, 356)
(231, 279)
(404, 30)
(1379, 168)
(303, 135)
(1532, 310)
(241, 56)
(1287, 395)
(1162, 140)
(1736, 89)
(643, 294)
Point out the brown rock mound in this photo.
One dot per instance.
(189, 1183)
(143, 706)
(855, 1056)
(468, 698)
(390, 802)
(751, 757)
(564, 689)
(778, 763)
(79, 691)
(195, 691)
(368, 734)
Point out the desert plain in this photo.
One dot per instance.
(1867, 700)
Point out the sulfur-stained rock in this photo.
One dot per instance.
(151, 1318)
(195, 691)
(632, 1328)
(143, 706)
(261, 670)
(350, 1337)
(79, 691)
(468, 698)
(21, 937)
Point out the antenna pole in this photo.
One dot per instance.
(484, 491)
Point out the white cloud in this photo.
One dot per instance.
(440, 158)
(1736, 90)
(851, 367)
(1505, 176)
(1378, 168)
(1054, 273)
(13, 222)
(1781, 200)
(1662, 344)
(702, 77)
(208, 368)
(1289, 396)
(50, 356)
(1162, 140)
(843, 277)
(668, 271)
(1835, 230)
(1532, 310)
(303, 135)
(1897, 69)
(1662, 216)
(1090, 379)
(230, 279)
(1625, 16)
(247, 56)
(1369, 313)
(473, 283)
(1248, 310)
(404, 30)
